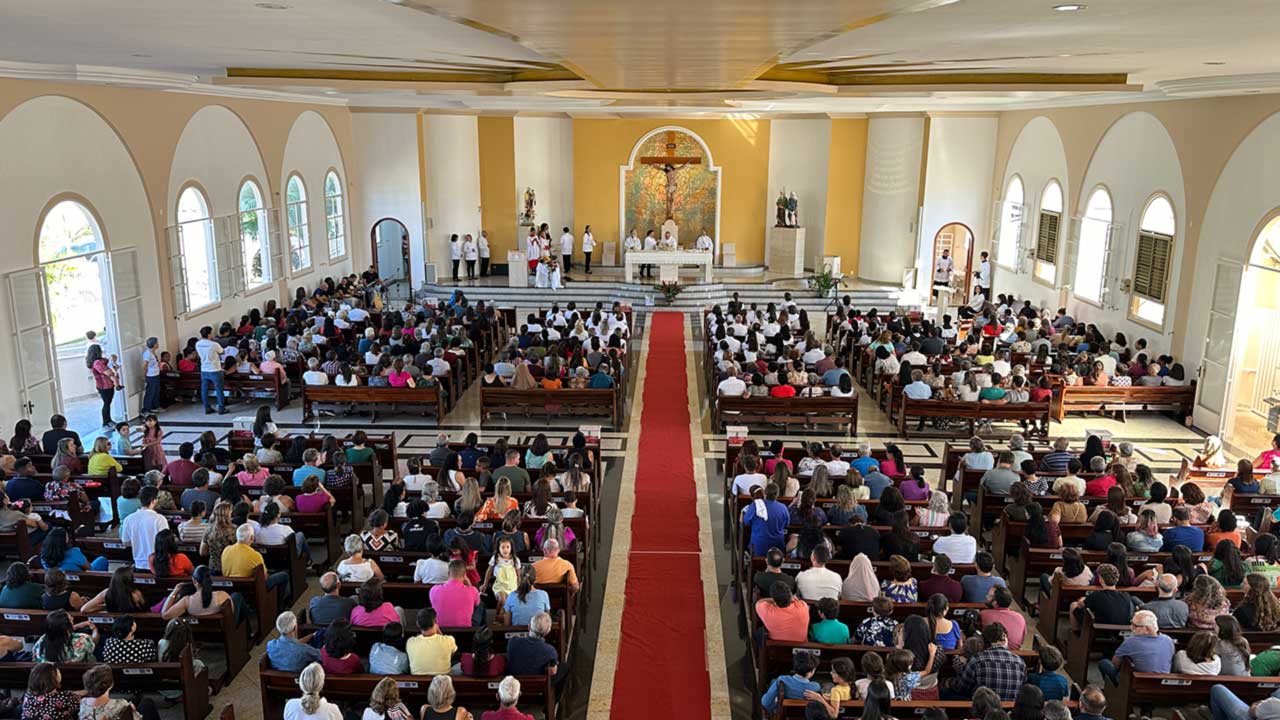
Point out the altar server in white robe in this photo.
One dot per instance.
(703, 243)
(588, 245)
(548, 274)
(455, 254)
(470, 253)
(631, 244)
(668, 242)
(533, 248)
(484, 253)
(566, 249)
(650, 243)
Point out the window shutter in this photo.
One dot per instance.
(1111, 267)
(177, 270)
(1151, 268)
(228, 258)
(1069, 259)
(1047, 238)
(276, 244)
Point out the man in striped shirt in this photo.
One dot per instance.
(1055, 463)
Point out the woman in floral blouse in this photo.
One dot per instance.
(45, 699)
(61, 643)
(1206, 601)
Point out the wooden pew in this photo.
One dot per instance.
(174, 384)
(278, 687)
(16, 545)
(1091, 398)
(1172, 689)
(221, 629)
(1030, 562)
(464, 636)
(972, 412)
(553, 403)
(430, 399)
(826, 410)
(955, 709)
(134, 677)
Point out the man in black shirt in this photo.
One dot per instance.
(859, 538)
(49, 441)
(418, 531)
(532, 654)
(1109, 606)
(773, 573)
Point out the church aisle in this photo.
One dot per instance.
(663, 652)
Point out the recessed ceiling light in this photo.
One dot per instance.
(330, 92)
(1215, 62)
(1064, 55)
(271, 6)
(1069, 7)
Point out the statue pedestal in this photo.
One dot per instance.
(609, 255)
(670, 227)
(517, 269)
(729, 254)
(785, 251)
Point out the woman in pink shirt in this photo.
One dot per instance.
(396, 376)
(370, 609)
(104, 380)
(775, 447)
(313, 498)
(253, 474)
(915, 488)
(1263, 463)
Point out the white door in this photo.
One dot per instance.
(126, 319)
(1215, 365)
(38, 396)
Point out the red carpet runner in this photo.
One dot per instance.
(661, 670)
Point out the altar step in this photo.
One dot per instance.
(694, 297)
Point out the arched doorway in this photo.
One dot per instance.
(80, 301)
(391, 257)
(1253, 394)
(958, 239)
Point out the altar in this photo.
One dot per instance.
(668, 262)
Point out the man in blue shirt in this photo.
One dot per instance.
(1182, 533)
(1146, 648)
(832, 376)
(1055, 463)
(602, 379)
(287, 652)
(793, 686)
(767, 519)
(23, 485)
(310, 467)
(864, 463)
(875, 482)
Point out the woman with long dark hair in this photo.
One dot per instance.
(1029, 705)
(61, 643)
(900, 540)
(166, 561)
(1106, 530)
(56, 552)
(918, 638)
(121, 595)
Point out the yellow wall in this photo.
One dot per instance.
(740, 147)
(845, 174)
(498, 184)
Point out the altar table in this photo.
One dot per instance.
(667, 258)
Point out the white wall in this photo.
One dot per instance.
(387, 146)
(1135, 160)
(1037, 157)
(799, 153)
(1242, 199)
(452, 149)
(52, 146)
(890, 198)
(312, 151)
(962, 155)
(544, 162)
(217, 153)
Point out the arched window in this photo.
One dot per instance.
(333, 216)
(295, 208)
(253, 236)
(1152, 261)
(199, 256)
(1047, 232)
(1091, 255)
(1010, 224)
(69, 230)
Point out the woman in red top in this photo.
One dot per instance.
(338, 656)
(166, 561)
(105, 380)
(782, 391)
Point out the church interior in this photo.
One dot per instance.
(418, 359)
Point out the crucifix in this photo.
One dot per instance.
(669, 164)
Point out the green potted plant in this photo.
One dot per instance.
(825, 282)
(669, 290)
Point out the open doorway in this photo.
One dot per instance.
(391, 257)
(958, 239)
(78, 284)
(1253, 402)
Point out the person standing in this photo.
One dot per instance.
(151, 371)
(650, 244)
(533, 248)
(942, 271)
(566, 249)
(104, 380)
(631, 244)
(983, 274)
(211, 376)
(470, 253)
(588, 245)
(484, 253)
(704, 243)
(455, 254)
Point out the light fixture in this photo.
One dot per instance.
(1064, 55)
(330, 92)
(1070, 7)
(141, 55)
(271, 6)
(1215, 62)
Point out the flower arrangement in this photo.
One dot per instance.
(669, 290)
(825, 282)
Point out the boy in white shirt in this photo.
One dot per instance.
(566, 249)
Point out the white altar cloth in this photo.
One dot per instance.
(674, 258)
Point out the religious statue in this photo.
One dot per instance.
(782, 209)
(669, 171)
(793, 217)
(669, 165)
(530, 204)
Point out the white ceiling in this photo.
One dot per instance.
(717, 47)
